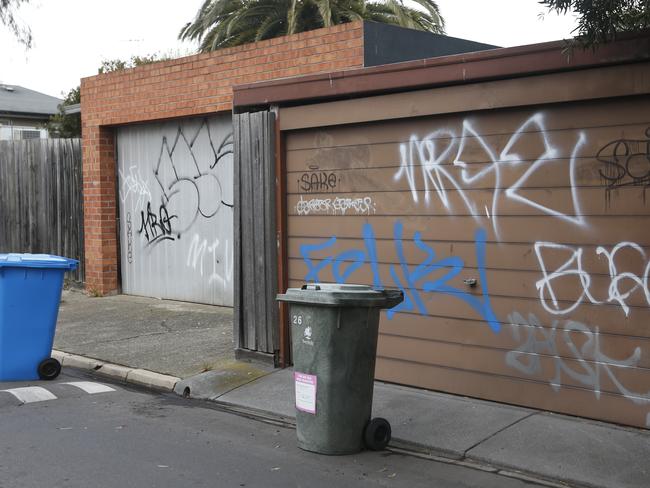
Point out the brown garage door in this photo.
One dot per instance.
(520, 238)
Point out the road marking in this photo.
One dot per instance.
(31, 394)
(90, 387)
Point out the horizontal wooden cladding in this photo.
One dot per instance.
(524, 334)
(624, 117)
(591, 202)
(558, 317)
(512, 229)
(549, 173)
(521, 257)
(567, 289)
(574, 401)
(589, 84)
(609, 319)
(572, 372)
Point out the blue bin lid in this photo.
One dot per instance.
(16, 260)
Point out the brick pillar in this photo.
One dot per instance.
(100, 210)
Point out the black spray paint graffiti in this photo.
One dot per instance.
(318, 181)
(189, 190)
(156, 227)
(129, 238)
(626, 162)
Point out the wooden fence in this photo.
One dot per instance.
(255, 307)
(41, 204)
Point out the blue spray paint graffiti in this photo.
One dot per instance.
(414, 279)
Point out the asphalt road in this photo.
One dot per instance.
(75, 437)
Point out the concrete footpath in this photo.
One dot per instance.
(512, 440)
(191, 354)
(174, 338)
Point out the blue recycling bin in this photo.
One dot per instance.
(30, 293)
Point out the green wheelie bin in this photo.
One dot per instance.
(334, 332)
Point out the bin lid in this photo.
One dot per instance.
(346, 295)
(16, 260)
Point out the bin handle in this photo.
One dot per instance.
(310, 287)
(393, 298)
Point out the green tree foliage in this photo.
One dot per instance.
(225, 23)
(63, 124)
(109, 65)
(8, 10)
(599, 21)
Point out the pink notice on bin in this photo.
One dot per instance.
(305, 392)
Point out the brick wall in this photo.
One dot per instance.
(190, 86)
(100, 210)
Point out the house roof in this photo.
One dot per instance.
(74, 108)
(16, 100)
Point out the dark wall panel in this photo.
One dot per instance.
(386, 44)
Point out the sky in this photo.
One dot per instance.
(73, 37)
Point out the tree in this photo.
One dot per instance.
(109, 65)
(63, 124)
(226, 23)
(8, 19)
(599, 21)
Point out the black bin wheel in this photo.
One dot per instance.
(377, 434)
(49, 369)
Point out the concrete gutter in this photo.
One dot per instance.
(136, 376)
(547, 449)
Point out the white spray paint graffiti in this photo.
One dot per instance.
(448, 163)
(335, 206)
(431, 162)
(200, 249)
(541, 341)
(134, 184)
(615, 294)
(512, 192)
(226, 278)
(573, 267)
(196, 252)
(433, 151)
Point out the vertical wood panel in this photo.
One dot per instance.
(248, 233)
(270, 241)
(237, 241)
(259, 214)
(41, 199)
(256, 321)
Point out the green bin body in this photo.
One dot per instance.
(334, 331)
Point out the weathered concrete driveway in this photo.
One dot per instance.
(175, 338)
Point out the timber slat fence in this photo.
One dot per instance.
(41, 204)
(255, 307)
